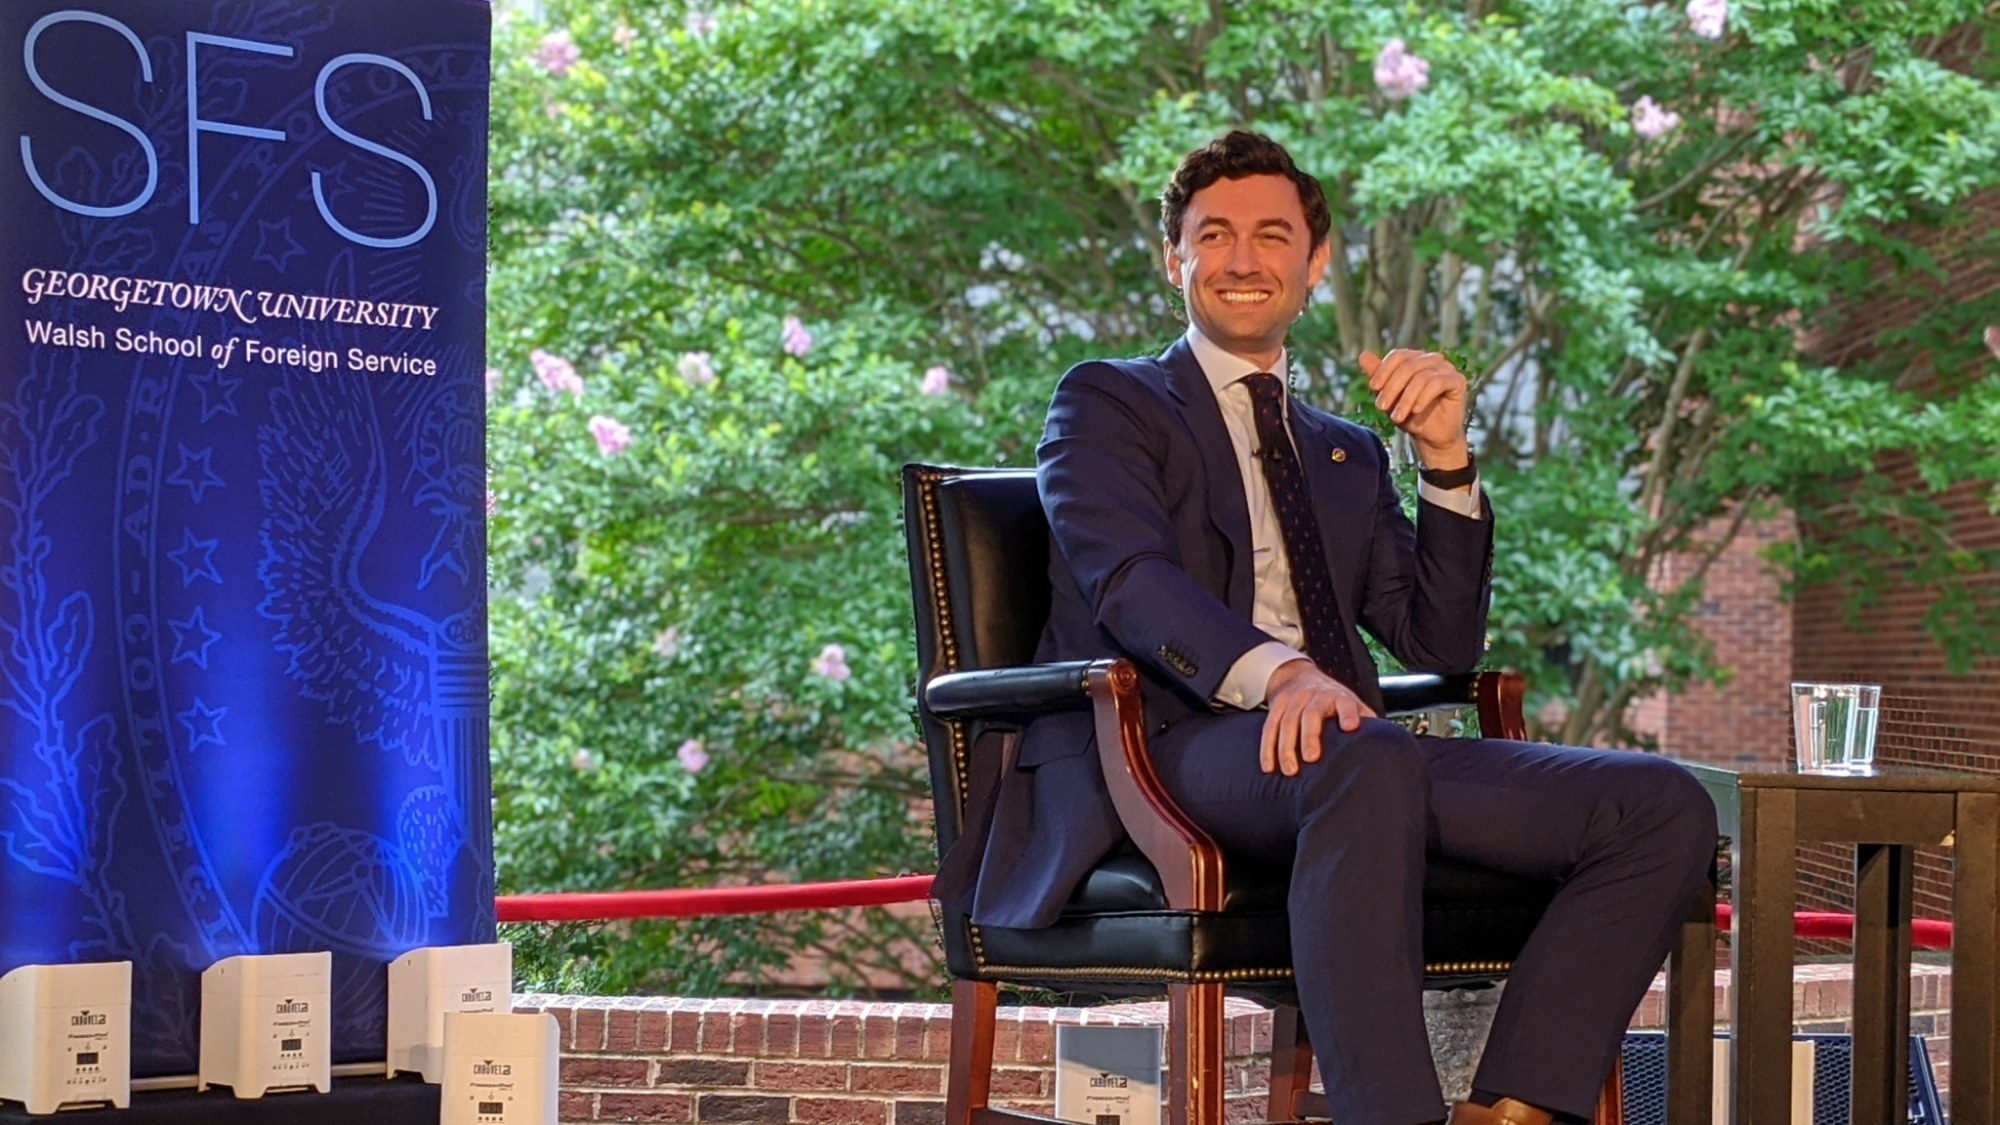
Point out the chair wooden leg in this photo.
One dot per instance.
(1291, 1064)
(1194, 1036)
(1611, 1099)
(970, 1077)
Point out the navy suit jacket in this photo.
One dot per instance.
(1150, 559)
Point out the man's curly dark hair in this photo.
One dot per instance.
(1233, 156)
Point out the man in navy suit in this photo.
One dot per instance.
(1232, 541)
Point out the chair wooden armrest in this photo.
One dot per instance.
(1498, 696)
(1189, 862)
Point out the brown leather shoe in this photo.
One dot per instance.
(1506, 1111)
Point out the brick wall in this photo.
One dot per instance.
(828, 1062)
(736, 1061)
(1742, 616)
(1929, 716)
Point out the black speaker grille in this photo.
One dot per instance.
(1645, 1055)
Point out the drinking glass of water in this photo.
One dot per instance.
(1834, 725)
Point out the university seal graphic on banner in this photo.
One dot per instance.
(242, 578)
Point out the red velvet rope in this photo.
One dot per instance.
(1925, 933)
(702, 902)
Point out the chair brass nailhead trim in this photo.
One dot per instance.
(933, 538)
(961, 762)
(1468, 968)
(961, 747)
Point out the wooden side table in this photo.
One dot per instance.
(1766, 813)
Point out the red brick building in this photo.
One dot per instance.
(1929, 716)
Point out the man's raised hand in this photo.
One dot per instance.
(1424, 395)
(1301, 699)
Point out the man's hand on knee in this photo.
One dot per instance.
(1302, 698)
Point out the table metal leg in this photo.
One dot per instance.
(1884, 883)
(1975, 957)
(1765, 863)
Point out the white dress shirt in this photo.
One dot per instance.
(1276, 607)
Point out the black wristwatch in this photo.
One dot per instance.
(1452, 478)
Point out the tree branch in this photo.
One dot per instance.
(1346, 303)
(1655, 483)
(1733, 144)
(1451, 270)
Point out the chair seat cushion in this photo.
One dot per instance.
(1127, 881)
(1117, 925)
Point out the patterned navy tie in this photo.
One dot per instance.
(1312, 580)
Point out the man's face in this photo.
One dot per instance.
(1245, 263)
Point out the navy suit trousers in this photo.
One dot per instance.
(1630, 837)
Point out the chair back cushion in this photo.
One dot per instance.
(979, 576)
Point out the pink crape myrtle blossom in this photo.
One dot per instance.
(667, 643)
(493, 379)
(613, 437)
(583, 761)
(796, 340)
(832, 664)
(937, 381)
(1651, 121)
(1993, 340)
(1708, 18)
(692, 755)
(557, 54)
(1398, 73)
(556, 373)
(492, 504)
(696, 369)
(625, 36)
(700, 24)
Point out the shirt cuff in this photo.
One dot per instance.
(1464, 501)
(1250, 677)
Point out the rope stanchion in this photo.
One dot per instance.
(1925, 933)
(702, 902)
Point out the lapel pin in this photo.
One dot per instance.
(1339, 455)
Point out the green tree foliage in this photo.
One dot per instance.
(1628, 226)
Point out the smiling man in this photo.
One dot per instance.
(1232, 542)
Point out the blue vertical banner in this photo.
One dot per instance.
(242, 485)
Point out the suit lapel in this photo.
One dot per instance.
(1227, 509)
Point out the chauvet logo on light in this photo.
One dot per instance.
(292, 1007)
(491, 1067)
(476, 996)
(1109, 1082)
(87, 1019)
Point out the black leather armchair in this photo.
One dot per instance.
(1178, 916)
